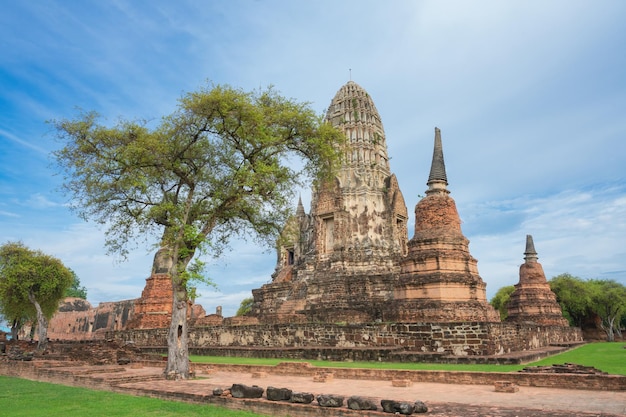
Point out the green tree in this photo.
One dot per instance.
(31, 285)
(500, 301)
(245, 306)
(608, 301)
(222, 165)
(75, 290)
(574, 297)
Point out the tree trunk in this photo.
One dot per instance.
(608, 328)
(15, 329)
(177, 338)
(42, 324)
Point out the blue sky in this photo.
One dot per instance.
(530, 97)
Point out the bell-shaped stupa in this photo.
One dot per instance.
(533, 301)
(439, 280)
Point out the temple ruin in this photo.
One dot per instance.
(350, 259)
(350, 284)
(533, 301)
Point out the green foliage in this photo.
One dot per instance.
(582, 301)
(573, 296)
(220, 166)
(31, 286)
(500, 301)
(75, 290)
(21, 397)
(25, 272)
(608, 301)
(245, 306)
(215, 168)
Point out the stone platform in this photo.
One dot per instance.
(442, 399)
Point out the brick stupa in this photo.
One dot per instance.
(153, 310)
(533, 301)
(440, 280)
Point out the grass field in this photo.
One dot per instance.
(23, 398)
(607, 357)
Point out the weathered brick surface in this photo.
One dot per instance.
(363, 342)
(77, 320)
(533, 300)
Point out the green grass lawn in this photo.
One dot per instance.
(24, 398)
(607, 357)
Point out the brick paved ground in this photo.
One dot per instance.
(442, 399)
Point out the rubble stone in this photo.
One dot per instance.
(302, 397)
(330, 400)
(361, 403)
(278, 394)
(246, 391)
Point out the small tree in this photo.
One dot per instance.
(500, 301)
(245, 306)
(31, 285)
(216, 168)
(574, 297)
(608, 300)
(75, 290)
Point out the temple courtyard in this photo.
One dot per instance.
(599, 395)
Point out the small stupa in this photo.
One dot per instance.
(533, 301)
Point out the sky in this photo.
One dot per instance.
(530, 97)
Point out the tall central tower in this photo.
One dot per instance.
(340, 260)
(361, 216)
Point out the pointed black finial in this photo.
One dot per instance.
(530, 255)
(437, 180)
(300, 210)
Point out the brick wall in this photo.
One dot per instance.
(459, 339)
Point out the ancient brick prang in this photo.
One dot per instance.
(153, 310)
(533, 301)
(340, 262)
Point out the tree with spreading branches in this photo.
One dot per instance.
(31, 286)
(226, 163)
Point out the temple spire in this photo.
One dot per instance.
(437, 180)
(530, 255)
(300, 210)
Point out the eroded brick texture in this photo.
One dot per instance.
(350, 284)
(533, 301)
(78, 320)
(350, 259)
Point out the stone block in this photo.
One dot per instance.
(330, 400)
(403, 407)
(302, 397)
(246, 391)
(401, 383)
(361, 403)
(278, 394)
(323, 377)
(505, 386)
(259, 374)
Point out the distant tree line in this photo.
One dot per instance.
(585, 303)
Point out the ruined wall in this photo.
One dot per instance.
(78, 320)
(460, 339)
